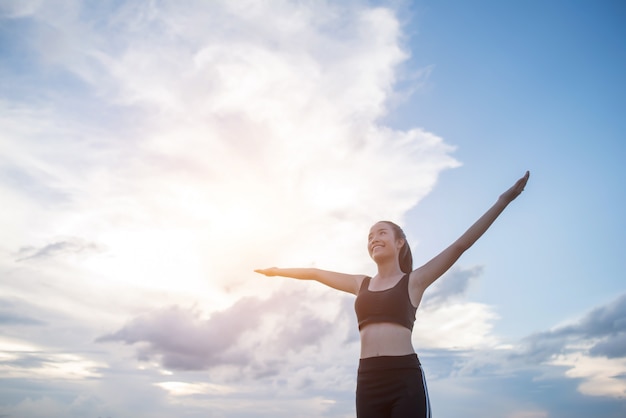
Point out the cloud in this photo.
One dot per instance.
(611, 347)
(246, 132)
(528, 414)
(453, 284)
(592, 348)
(602, 330)
(16, 319)
(600, 376)
(14, 313)
(153, 154)
(69, 246)
(43, 407)
(245, 335)
(242, 335)
(19, 9)
(446, 320)
(35, 365)
(586, 352)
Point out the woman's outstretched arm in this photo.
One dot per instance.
(425, 275)
(345, 282)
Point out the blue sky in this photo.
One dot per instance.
(153, 154)
(545, 93)
(539, 86)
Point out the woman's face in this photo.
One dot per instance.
(382, 242)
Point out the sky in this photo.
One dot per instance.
(154, 153)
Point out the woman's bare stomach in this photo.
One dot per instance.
(385, 339)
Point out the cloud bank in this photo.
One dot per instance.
(152, 155)
(230, 138)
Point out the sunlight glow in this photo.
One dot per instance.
(165, 259)
(186, 389)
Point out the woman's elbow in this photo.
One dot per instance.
(460, 246)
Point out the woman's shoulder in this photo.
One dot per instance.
(360, 278)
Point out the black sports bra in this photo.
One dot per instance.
(389, 305)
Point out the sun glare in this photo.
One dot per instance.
(159, 259)
(186, 389)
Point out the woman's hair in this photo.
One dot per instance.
(405, 258)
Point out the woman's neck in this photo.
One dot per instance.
(389, 270)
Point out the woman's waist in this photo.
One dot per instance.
(385, 339)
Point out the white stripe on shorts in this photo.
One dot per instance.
(428, 413)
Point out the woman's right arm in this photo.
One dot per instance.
(345, 282)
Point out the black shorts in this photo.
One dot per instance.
(391, 387)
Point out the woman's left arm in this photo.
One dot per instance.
(425, 275)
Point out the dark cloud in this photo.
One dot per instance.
(183, 340)
(612, 347)
(605, 326)
(60, 248)
(606, 320)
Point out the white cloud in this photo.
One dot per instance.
(248, 140)
(447, 320)
(171, 149)
(456, 326)
(601, 376)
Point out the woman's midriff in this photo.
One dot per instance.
(385, 339)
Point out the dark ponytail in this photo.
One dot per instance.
(405, 258)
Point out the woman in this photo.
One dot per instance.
(390, 381)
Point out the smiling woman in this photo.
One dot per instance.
(391, 382)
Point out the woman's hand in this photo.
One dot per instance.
(272, 271)
(515, 190)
